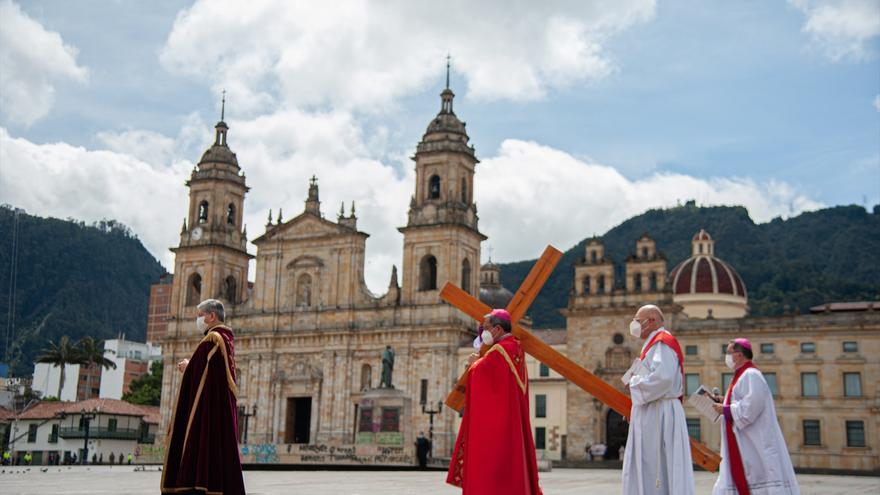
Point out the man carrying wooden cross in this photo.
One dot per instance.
(495, 452)
(658, 457)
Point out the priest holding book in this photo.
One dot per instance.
(755, 460)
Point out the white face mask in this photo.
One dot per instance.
(200, 324)
(635, 328)
(728, 360)
(487, 338)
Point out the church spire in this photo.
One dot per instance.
(221, 127)
(447, 95)
(223, 106)
(448, 57)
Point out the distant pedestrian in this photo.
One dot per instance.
(589, 452)
(112, 457)
(120, 458)
(423, 446)
(94, 458)
(28, 458)
(129, 459)
(101, 458)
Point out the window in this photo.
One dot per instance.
(587, 285)
(230, 214)
(808, 347)
(464, 190)
(812, 434)
(466, 275)
(32, 433)
(111, 424)
(593, 256)
(434, 187)
(852, 384)
(723, 350)
(203, 212)
(543, 370)
(653, 282)
(366, 377)
(600, 289)
(53, 437)
(229, 289)
(637, 283)
(771, 383)
(540, 438)
(692, 383)
(855, 433)
(541, 406)
(809, 385)
(194, 290)
(850, 347)
(725, 382)
(428, 273)
(693, 425)
(690, 350)
(767, 349)
(423, 392)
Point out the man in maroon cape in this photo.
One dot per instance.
(495, 452)
(201, 450)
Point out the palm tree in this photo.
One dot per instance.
(92, 353)
(61, 354)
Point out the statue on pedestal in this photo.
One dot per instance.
(387, 367)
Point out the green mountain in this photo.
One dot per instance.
(69, 278)
(787, 265)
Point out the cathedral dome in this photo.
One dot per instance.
(219, 152)
(706, 286)
(492, 293)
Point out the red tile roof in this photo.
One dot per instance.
(5, 414)
(45, 410)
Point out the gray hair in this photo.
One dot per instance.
(213, 306)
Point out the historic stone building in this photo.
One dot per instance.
(823, 367)
(309, 334)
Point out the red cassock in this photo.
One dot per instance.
(201, 450)
(495, 452)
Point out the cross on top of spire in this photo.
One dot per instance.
(448, 58)
(223, 107)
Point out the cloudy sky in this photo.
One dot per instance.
(582, 113)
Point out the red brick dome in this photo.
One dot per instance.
(706, 275)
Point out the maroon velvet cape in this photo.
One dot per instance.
(495, 453)
(201, 450)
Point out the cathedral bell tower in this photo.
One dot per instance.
(441, 239)
(211, 260)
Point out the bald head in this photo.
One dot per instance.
(650, 317)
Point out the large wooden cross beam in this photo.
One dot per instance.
(609, 395)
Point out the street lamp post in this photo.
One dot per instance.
(247, 416)
(431, 413)
(87, 417)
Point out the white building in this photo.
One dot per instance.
(53, 432)
(133, 360)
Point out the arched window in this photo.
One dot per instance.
(600, 289)
(304, 291)
(366, 377)
(229, 289)
(203, 212)
(428, 273)
(587, 285)
(644, 252)
(194, 290)
(593, 256)
(464, 191)
(230, 214)
(653, 281)
(466, 275)
(701, 248)
(434, 187)
(637, 282)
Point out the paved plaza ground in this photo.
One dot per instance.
(124, 480)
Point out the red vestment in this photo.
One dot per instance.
(201, 450)
(495, 452)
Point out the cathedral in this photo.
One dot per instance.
(309, 334)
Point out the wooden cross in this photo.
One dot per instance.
(609, 395)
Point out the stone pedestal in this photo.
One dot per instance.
(381, 414)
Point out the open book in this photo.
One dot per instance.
(703, 402)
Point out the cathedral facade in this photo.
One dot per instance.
(309, 334)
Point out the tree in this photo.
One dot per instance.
(61, 354)
(146, 390)
(92, 352)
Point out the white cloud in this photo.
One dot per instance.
(32, 62)
(158, 150)
(91, 185)
(531, 195)
(877, 102)
(365, 54)
(841, 28)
